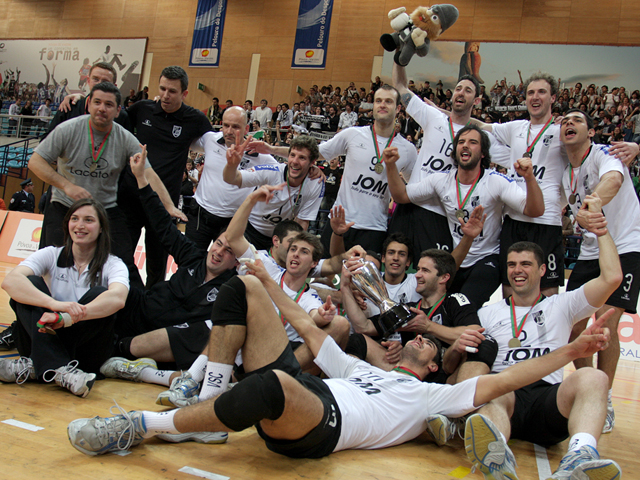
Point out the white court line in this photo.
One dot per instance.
(202, 473)
(19, 424)
(544, 468)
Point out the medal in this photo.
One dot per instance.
(526, 155)
(460, 214)
(515, 328)
(514, 343)
(461, 202)
(93, 167)
(572, 198)
(572, 187)
(379, 168)
(96, 156)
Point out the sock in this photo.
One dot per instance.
(159, 422)
(198, 368)
(215, 380)
(159, 377)
(580, 440)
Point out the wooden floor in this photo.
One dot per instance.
(47, 454)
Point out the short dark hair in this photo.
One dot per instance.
(216, 99)
(473, 80)
(174, 72)
(590, 122)
(485, 145)
(528, 247)
(312, 240)
(550, 79)
(444, 263)
(398, 237)
(305, 141)
(105, 66)
(285, 227)
(389, 88)
(108, 88)
(249, 102)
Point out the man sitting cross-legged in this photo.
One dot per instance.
(300, 415)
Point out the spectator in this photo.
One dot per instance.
(14, 109)
(263, 114)
(214, 113)
(348, 118)
(130, 100)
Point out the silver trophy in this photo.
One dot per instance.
(368, 280)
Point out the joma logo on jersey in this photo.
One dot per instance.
(368, 183)
(437, 164)
(538, 172)
(520, 354)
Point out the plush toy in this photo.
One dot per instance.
(414, 32)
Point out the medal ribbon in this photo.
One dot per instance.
(434, 308)
(531, 146)
(102, 145)
(375, 142)
(584, 157)
(406, 371)
(297, 196)
(451, 128)
(515, 328)
(297, 299)
(466, 198)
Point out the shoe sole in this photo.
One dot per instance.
(437, 431)
(149, 362)
(164, 401)
(598, 470)
(201, 437)
(478, 435)
(89, 385)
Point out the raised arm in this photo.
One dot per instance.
(399, 80)
(396, 185)
(471, 228)
(535, 201)
(357, 318)
(230, 173)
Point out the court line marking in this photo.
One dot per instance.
(542, 461)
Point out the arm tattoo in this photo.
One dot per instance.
(406, 98)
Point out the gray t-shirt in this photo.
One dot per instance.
(69, 142)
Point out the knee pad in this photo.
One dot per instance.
(255, 398)
(230, 307)
(357, 346)
(487, 352)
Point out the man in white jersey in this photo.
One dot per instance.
(364, 191)
(299, 199)
(526, 325)
(215, 200)
(300, 415)
(460, 191)
(592, 169)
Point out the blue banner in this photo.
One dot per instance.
(312, 34)
(207, 33)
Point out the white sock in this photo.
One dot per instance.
(580, 440)
(159, 377)
(198, 368)
(215, 380)
(159, 422)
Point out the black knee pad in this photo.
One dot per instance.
(255, 398)
(357, 346)
(230, 307)
(487, 352)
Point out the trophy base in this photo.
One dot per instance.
(395, 318)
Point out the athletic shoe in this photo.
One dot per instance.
(120, 367)
(487, 450)
(6, 339)
(182, 392)
(97, 435)
(585, 463)
(17, 370)
(200, 437)
(610, 421)
(441, 428)
(72, 378)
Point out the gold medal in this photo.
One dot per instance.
(379, 168)
(572, 198)
(514, 343)
(93, 167)
(526, 155)
(460, 213)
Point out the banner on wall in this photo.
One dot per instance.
(207, 33)
(54, 68)
(312, 34)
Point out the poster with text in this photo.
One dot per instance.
(312, 34)
(207, 33)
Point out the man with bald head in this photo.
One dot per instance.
(215, 200)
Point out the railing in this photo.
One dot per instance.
(23, 126)
(14, 157)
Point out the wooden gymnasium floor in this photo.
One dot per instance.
(47, 453)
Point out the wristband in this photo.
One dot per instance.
(337, 234)
(66, 318)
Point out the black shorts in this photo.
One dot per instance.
(479, 281)
(626, 295)
(367, 239)
(425, 228)
(257, 239)
(536, 417)
(548, 237)
(187, 342)
(322, 440)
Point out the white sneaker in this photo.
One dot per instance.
(72, 378)
(120, 367)
(441, 428)
(585, 464)
(200, 437)
(610, 421)
(487, 450)
(182, 392)
(17, 370)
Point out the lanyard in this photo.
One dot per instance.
(297, 299)
(462, 203)
(297, 196)
(515, 328)
(406, 371)
(584, 157)
(375, 142)
(532, 145)
(434, 308)
(95, 156)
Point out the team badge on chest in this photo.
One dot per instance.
(177, 130)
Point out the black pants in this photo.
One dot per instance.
(91, 342)
(203, 227)
(52, 234)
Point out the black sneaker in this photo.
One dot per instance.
(6, 339)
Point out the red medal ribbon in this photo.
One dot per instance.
(584, 157)
(515, 328)
(531, 146)
(375, 142)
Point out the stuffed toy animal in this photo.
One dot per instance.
(414, 32)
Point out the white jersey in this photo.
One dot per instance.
(622, 212)
(380, 409)
(363, 193)
(214, 194)
(493, 191)
(301, 202)
(309, 300)
(548, 165)
(546, 328)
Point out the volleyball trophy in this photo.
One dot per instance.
(368, 280)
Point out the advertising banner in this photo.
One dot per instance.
(312, 34)
(207, 33)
